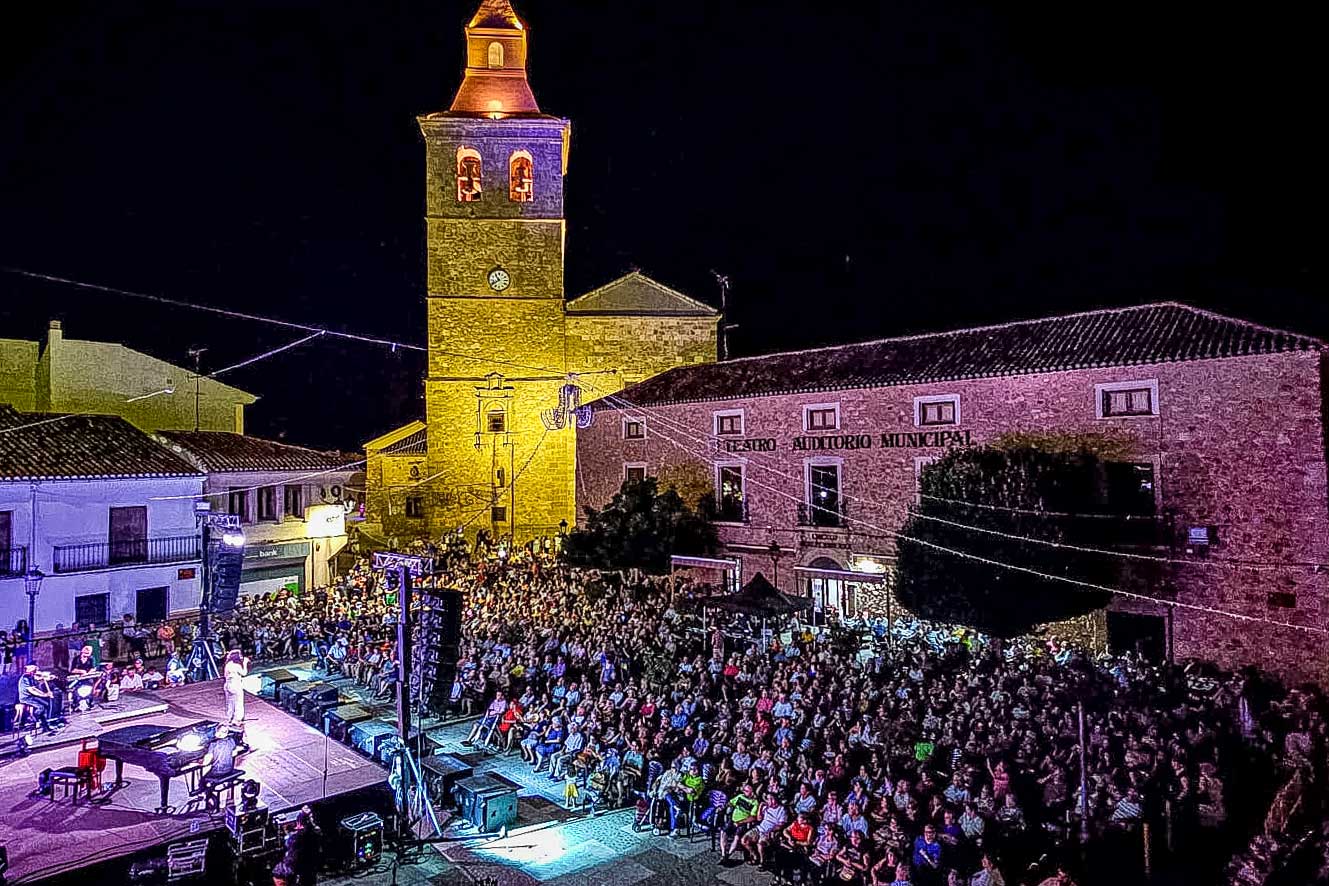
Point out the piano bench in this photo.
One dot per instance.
(212, 790)
(75, 777)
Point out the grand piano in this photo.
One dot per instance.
(165, 751)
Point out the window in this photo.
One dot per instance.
(128, 535)
(634, 473)
(1127, 399)
(521, 178)
(824, 507)
(729, 484)
(267, 503)
(496, 421)
(498, 514)
(468, 175)
(500, 478)
(415, 506)
(940, 409)
(295, 501)
(1130, 488)
(237, 503)
(821, 417)
(729, 424)
(6, 531)
(92, 609)
(495, 54)
(634, 429)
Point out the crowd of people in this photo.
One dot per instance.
(924, 756)
(907, 760)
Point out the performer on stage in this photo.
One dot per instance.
(234, 673)
(34, 691)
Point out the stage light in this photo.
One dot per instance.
(233, 538)
(249, 790)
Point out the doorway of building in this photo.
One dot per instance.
(152, 605)
(831, 593)
(1134, 632)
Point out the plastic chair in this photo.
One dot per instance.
(90, 759)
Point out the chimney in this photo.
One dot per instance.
(54, 333)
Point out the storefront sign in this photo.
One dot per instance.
(293, 550)
(908, 440)
(325, 521)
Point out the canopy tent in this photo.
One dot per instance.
(731, 571)
(759, 599)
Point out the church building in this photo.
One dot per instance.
(511, 358)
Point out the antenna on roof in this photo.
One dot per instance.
(723, 281)
(197, 354)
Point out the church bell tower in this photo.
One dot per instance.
(495, 230)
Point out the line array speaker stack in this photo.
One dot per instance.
(436, 640)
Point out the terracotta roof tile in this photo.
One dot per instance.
(221, 451)
(1156, 333)
(52, 446)
(414, 444)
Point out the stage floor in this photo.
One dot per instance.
(293, 762)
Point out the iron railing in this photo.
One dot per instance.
(13, 560)
(825, 515)
(139, 551)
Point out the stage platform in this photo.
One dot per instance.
(94, 722)
(294, 764)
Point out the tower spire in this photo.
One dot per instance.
(495, 82)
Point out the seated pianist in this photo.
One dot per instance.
(218, 765)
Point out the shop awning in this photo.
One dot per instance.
(863, 578)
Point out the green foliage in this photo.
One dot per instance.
(1067, 490)
(642, 527)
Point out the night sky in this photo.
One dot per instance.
(857, 170)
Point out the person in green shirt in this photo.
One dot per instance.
(740, 816)
(684, 795)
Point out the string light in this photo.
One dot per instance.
(1212, 563)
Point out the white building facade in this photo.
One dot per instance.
(103, 513)
(293, 503)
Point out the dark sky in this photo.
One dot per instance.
(857, 170)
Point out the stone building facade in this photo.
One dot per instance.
(509, 356)
(1223, 420)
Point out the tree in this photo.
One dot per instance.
(1059, 490)
(641, 527)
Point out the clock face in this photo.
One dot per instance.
(499, 280)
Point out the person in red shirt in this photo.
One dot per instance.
(795, 848)
(511, 717)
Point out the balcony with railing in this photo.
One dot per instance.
(13, 561)
(136, 552)
(829, 515)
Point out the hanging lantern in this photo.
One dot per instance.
(554, 419)
(584, 416)
(569, 397)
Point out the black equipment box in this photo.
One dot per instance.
(338, 721)
(443, 772)
(270, 683)
(366, 837)
(487, 803)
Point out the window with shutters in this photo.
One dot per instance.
(1132, 399)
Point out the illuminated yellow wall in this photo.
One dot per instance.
(513, 346)
(74, 375)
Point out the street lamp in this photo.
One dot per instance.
(775, 552)
(32, 586)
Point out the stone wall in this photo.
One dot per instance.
(1238, 445)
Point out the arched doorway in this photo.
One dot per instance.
(827, 592)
